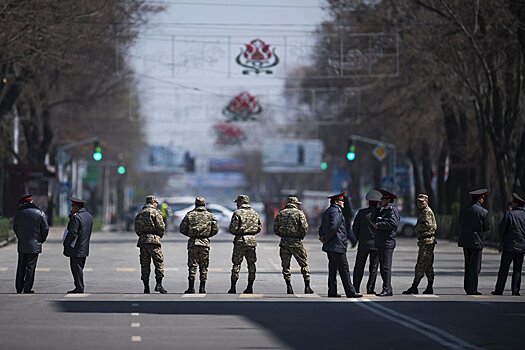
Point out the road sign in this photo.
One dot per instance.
(379, 153)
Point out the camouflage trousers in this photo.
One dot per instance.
(198, 256)
(425, 263)
(239, 252)
(299, 253)
(150, 252)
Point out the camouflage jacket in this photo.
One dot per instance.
(291, 225)
(149, 225)
(199, 224)
(245, 224)
(426, 226)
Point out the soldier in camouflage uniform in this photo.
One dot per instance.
(291, 225)
(199, 224)
(244, 225)
(425, 230)
(150, 228)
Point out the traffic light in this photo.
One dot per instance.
(350, 151)
(97, 152)
(121, 169)
(324, 165)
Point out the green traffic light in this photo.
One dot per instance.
(121, 170)
(324, 166)
(350, 155)
(97, 152)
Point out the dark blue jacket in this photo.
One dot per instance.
(363, 228)
(333, 232)
(512, 231)
(79, 228)
(31, 229)
(387, 221)
(474, 222)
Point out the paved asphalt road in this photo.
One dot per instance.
(114, 314)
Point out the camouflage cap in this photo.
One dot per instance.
(243, 199)
(422, 198)
(199, 201)
(293, 200)
(151, 199)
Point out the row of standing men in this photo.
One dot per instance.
(374, 228)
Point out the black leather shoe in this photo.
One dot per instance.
(496, 293)
(29, 292)
(384, 294)
(334, 295)
(75, 291)
(475, 293)
(354, 295)
(516, 294)
(370, 291)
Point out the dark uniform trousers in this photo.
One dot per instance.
(517, 263)
(25, 272)
(337, 262)
(359, 268)
(77, 269)
(385, 268)
(472, 269)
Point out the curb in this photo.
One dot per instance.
(7, 242)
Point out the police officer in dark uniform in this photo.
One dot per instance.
(474, 223)
(76, 241)
(31, 229)
(363, 229)
(385, 223)
(512, 234)
(334, 235)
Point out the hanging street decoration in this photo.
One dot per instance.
(228, 135)
(257, 57)
(243, 107)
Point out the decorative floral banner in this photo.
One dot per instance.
(228, 134)
(242, 107)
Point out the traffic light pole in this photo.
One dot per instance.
(376, 142)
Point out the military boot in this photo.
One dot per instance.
(429, 289)
(191, 286)
(289, 289)
(233, 290)
(159, 288)
(307, 289)
(249, 288)
(202, 287)
(411, 290)
(146, 286)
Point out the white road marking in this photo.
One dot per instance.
(425, 296)
(250, 296)
(135, 314)
(43, 269)
(193, 295)
(126, 269)
(436, 334)
(215, 269)
(136, 338)
(3, 269)
(88, 269)
(74, 295)
(307, 295)
(135, 325)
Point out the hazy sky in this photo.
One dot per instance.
(185, 62)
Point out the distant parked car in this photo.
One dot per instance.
(129, 217)
(407, 226)
(221, 213)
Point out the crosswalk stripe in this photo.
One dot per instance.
(126, 269)
(73, 295)
(3, 269)
(43, 269)
(425, 296)
(193, 295)
(136, 338)
(250, 296)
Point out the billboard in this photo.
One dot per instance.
(292, 155)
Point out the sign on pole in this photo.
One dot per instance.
(379, 153)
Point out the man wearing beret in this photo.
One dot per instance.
(244, 225)
(386, 223)
(76, 241)
(334, 235)
(199, 225)
(31, 229)
(426, 227)
(291, 225)
(474, 223)
(150, 228)
(512, 235)
(364, 232)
